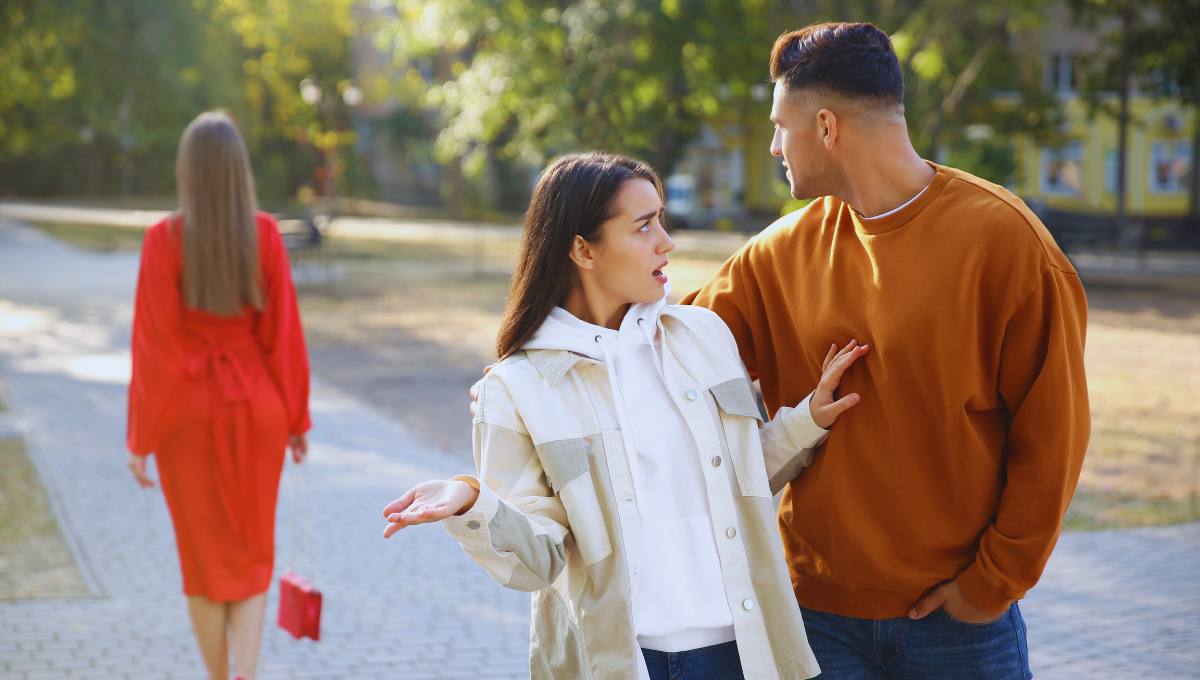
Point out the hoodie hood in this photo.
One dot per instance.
(563, 331)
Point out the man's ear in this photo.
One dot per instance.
(583, 254)
(827, 127)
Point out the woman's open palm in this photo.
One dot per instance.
(430, 501)
(822, 404)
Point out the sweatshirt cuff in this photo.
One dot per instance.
(804, 431)
(981, 593)
(471, 527)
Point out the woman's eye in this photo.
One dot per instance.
(644, 227)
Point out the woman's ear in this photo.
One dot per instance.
(583, 254)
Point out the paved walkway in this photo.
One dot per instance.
(1122, 604)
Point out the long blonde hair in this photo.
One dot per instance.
(217, 207)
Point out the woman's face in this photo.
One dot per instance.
(628, 263)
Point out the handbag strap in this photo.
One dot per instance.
(299, 476)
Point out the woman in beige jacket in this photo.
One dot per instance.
(624, 475)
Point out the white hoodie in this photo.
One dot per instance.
(680, 602)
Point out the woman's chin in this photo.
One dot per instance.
(654, 292)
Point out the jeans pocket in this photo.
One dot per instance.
(972, 626)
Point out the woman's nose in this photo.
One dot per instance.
(667, 245)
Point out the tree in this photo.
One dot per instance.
(114, 82)
(532, 78)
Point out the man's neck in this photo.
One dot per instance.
(886, 179)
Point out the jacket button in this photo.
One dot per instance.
(691, 394)
(731, 532)
(475, 525)
(747, 604)
(716, 461)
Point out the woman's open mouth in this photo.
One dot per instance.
(659, 275)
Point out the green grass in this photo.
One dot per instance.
(24, 511)
(1091, 510)
(100, 238)
(34, 559)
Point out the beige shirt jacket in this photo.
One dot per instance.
(556, 514)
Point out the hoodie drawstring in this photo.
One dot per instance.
(623, 421)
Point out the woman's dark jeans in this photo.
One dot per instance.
(719, 662)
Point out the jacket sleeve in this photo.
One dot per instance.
(789, 443)
(790, 439)
(158, 354)
(517, 529)
(278, 327)
(1042, 384)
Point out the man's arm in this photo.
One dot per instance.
(726, 293)
(1042, 382)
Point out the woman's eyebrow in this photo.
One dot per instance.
(647, 215)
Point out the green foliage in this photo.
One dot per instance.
(95, 93)
(530, 80)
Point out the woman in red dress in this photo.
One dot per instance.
(219, 388)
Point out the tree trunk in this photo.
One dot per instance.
(452, 175)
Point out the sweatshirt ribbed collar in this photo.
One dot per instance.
(908, 213)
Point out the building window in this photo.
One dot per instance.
(1060, 76)
(1170, 167)
(1111, 171)
(1062, 170)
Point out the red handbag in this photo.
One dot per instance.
(299, 600)
(299, 606)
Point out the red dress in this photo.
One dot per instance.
(215, 398)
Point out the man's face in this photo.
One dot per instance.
(798, 141)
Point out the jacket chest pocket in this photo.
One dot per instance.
(740, 423)
(566, 465)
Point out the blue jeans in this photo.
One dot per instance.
(937, 647)
(719, 662)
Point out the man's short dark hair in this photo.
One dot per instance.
(855, 61)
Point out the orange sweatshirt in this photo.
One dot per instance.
(964, 451)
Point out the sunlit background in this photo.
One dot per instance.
(454, 106)
(398, 142)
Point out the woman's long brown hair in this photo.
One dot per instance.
(574, 197)
(217, 208)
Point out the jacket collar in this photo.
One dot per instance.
(553, 364)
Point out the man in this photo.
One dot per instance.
(934, 506)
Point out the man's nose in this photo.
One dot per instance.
(776, 144)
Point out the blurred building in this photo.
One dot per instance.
(1073, 182)
(728, 175)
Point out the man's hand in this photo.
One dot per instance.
(431, 501)
(950, 597)
(821, 405)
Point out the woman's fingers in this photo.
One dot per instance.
(841, 405)
(833, 350)
(833, 374)
(400, 504)
(137, 465)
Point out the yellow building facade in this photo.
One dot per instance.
(1080, 174)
